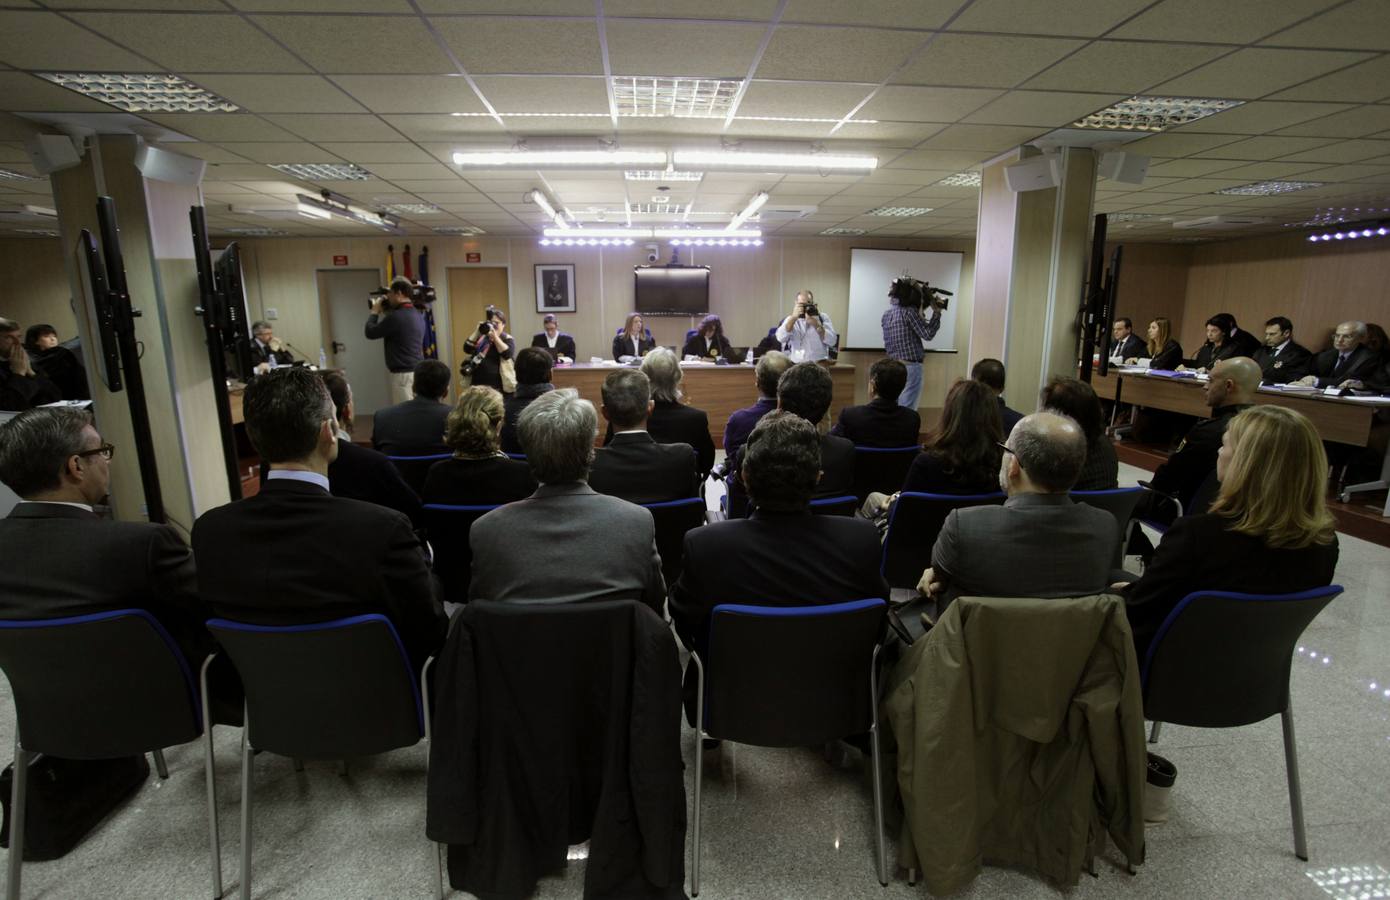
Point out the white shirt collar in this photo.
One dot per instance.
(297, 475)
(1280, 348)
(551, 341)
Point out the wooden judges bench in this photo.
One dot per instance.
(718, 390)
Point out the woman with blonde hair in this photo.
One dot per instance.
(634, 341)
(1164, 352)
(479, 474)
(1268, 531)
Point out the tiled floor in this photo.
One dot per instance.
(787, 824)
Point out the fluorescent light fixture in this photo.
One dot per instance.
(654, 232)
(899, 212)
(661, 175)
(324, 171)
(961, 179)
(773, 161)
(7, 175)
(598, 233)
(725, 233)
(679, 97)
(412, 209)
(585, 242)
(540, 200)
(716, 242)
(156, 92)
(753, 206)
(43, 211)
(535, 159)
(1268, 188)
(256, 232)
(832, 232)
(458, 230)
(313, 212)
(1154, 113)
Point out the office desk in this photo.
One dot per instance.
(718, 390)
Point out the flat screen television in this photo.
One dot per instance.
(672, 290)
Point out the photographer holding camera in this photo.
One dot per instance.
(395, 320)
(807, 333)
(490, 350)
(905, 328)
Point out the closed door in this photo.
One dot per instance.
(343, 303)
(472, 290)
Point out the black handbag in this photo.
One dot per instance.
(67, 798)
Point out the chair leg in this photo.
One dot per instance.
(699, 773)
(247, 770)
(1300, 836)
(440, 865)
(209, 771)
(880, 857)
(17, 801)
(1153, 733)
(425, 705)
(160, 765)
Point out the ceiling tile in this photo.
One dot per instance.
(552, 125)
(411, 171)
(891, 134)
(222, 129)
(1087, 18)
(1262, 148)
(284, 152)
(1180, 143)
(947, 161)
(443, 127)
(809, 131)
(1352, 123)
(360, 44)
(1122, 66)
(338, 6)
(1053, 109)
(706, 50)
(1349, 173)
(990, 138)
(706, 9)
(514, 45)
(281, 93)
(900, 103)
(44, 40)
(1361, 24)
(1341, 152)
(216, 5)
(544, 94)
(1189, 168)
(781, 98)
(1366, 82)
(983, 60)
(1263, 171)
(892, 13)
(836, 54)
(194, 43)
(508, 7)
(1261, 116)
(411, 93)
(1254, 72)
(442, 185)
(339, 127)
(1231, 21)
(25, 93)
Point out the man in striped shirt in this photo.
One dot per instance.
(905, 329)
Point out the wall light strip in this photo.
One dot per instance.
(607, 159)
(1351, 233)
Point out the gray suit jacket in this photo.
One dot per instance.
(1035, 545)
(567, 544)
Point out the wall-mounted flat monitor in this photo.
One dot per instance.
(672, 290)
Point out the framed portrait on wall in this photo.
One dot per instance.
(555, 288)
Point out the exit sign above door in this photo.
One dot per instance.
(340, 260)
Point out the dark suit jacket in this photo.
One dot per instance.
(412, 428)
(928, 475)
(695, 346)
(19, 393)
(1132, 347)
(478, 482)
(622, 346)
(64, 561)
(1008, 418)
(837, 470)
(363, 474)
(1289, 364)
(1209, 355)
(1200, 553)
(639, 470)
(1185, 470)
(564, 343)
(64, 368)
(1168, 358)
(259, 354)
(1361, 364)
(293, 554)
(676, 423)
(512, 407)
(879, 423)
(742, 422)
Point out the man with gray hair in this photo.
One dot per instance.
(21, 387)
(1348, 360)
(634, 466)
(1053, 546)
(566, 543)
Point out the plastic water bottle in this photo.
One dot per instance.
(323, 359)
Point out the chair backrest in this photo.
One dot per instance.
(835, 506)
(99, 686)
(913, 525)
(447, 527)
(881, 469)
(673, 519)
(520, 456)
(1120, 503)
(325, 690)
(414, 469)
(791, 676)
(1222, 659)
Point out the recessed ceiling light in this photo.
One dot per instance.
(675, 96)
(256, 232)
(661, 175)
(1266, 188)
(843, 231)
(324, 171)
(7, 175)
(899, 211)
(1154, 113)
(771, 161)
(663, 208)
(961, 179)
(461, 230)
(416, 209)
(142, 93)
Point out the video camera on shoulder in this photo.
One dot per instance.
(914, 293)
(421, 295)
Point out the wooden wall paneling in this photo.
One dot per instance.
(1153, 282)
(36, 281)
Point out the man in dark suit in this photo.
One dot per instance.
(294, 553)
(1054, 546)
(566, 543)
(1280, 359)
(881, 422)
(1348, 360)
(359, 473)
(266, 351)
(990, 373)
(552, 340)
(1124, 343)
(741, 422)
(416, 427)
(533, 372)
(21, 386)
(633, 466)
(781, 555)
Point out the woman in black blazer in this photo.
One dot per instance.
(708, 341)
(1269, 530)
(1164, 352)
(479, 474)
(633, 340)
(493, 345)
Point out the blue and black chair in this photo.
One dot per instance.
(68, 705)
(790, 677)
(835, 506)
(1196, 674)
(447, 526)
(322, 691)
(415, 469)
(673, 519)
(913, 525)
(1120, 503)
(881, 469)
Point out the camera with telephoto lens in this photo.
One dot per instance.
(421, 295)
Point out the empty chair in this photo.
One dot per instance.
(69, 705)
(447, 526)
(673, 519)
(790, 677)
(1196, 674)
(1120, 503)
(835, 506)
(913, 525)
(414, 469)
(325, 690)
(881, 469)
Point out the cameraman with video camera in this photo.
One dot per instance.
(807, 333)
(395, 319)
(905, 328)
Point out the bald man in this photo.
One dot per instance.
(1055, 547)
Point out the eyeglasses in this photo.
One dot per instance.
(106, 450)
(1002, 446)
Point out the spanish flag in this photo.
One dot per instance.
(390, 263)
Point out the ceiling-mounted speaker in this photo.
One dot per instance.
(1127, 168)
(175, 168)
(52, 152)
(1034, 173)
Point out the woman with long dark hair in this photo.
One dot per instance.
(708, 341)
(961, 455)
